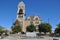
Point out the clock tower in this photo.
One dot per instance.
(21, 14)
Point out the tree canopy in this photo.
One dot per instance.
(31, 28)
(57, 30)
(2, 30)
(44, 27)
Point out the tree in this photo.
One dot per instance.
(44, 27)
(41, 27)
(1, 29)
(4, 31)
(57, 30)
(49, 27)
(58, 25)
(31, 28)
(16, 28)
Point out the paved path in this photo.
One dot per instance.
(27, 39)
(12, 38)
(45, 38)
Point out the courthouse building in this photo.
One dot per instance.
(24, 22)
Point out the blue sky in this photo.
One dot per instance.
(43, 8)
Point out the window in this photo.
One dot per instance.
(36, 19)
(31, 22)
(21, 23)
(36, 27)
(36, 22)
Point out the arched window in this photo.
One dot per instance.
(20, 11)
(36, 21)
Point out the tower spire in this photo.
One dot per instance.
(21, 13)
(21, 5)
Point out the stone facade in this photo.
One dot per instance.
(24, 22)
